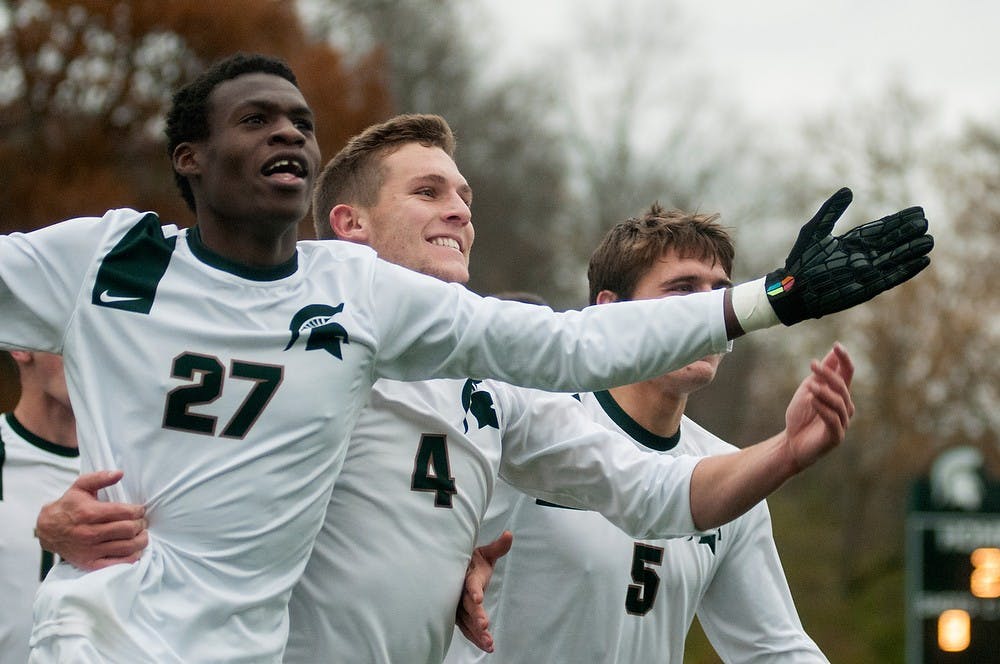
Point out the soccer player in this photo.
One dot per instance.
(574, 587)
(423, 457)
(39, 459)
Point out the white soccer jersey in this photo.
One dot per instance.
(574, 588)
(387, 570)
(33, 472)
(226, 394)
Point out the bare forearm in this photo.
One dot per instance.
(724, 487)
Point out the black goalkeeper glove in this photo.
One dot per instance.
(824, 274)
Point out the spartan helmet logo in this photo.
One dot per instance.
(316, 321)
(479, 403)
(957, 480)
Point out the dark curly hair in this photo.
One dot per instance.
(187, 119)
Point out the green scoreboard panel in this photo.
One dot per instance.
(953, 582)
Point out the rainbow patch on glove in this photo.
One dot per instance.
(782, 286)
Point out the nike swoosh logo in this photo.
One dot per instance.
(107, 298)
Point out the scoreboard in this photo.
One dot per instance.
(953, 579)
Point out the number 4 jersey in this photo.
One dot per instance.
(387, 570)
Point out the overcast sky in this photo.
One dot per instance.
(782, 59)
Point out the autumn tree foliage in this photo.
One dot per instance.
(84, 85)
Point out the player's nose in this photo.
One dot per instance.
(457, 210)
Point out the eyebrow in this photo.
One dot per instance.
(690, 278)
(300, 110)
(440, 180)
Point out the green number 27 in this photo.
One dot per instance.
(207, 374)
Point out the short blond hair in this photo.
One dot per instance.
(354, 175)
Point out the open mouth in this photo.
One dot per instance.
(286, 169)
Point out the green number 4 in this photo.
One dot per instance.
(431, 471)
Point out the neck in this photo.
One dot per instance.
(47, 418)
(260, 245)
(652, 407)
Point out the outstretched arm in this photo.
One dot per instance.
(826, 273)
(725, 486)
(90, 533)
(471, 617)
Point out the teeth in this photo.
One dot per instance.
(286, 165)
(446, 242)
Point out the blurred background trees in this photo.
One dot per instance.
(84, 86)
(508, 148)
(556, 152)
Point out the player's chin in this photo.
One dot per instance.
(452, 271)
(283, 207)
(709, 361)
(702, 372)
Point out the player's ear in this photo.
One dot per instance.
(185, 159)
(606, 296)
(22, 356)
(349, 223)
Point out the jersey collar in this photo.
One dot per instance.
(209, 257)
(40, 442)
(640, 434)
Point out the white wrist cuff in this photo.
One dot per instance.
(751, 307)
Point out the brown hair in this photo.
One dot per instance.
(632, 246)
(354, 175)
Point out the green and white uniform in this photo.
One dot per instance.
(387, 570)
(574, 588)
(226, 394)
(33, 472)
